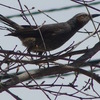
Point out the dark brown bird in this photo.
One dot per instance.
(54, 35)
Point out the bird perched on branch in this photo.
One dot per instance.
(48, 37)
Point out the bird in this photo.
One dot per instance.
(48, 37)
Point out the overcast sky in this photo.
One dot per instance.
(8, 43)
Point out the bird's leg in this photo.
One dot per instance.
(40, 53)
(29, 51)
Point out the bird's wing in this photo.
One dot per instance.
(33, 31)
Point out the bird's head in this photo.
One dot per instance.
(83, 18)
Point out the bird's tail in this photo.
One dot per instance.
(10, 23)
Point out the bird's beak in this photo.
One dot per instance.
(95, 15)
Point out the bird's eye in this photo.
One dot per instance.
(81, 18)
